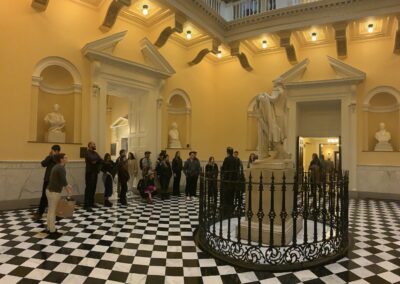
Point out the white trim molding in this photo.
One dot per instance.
(58, 61)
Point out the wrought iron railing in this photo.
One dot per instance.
(244, 8)
(275, 225)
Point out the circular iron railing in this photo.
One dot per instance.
(274, 226)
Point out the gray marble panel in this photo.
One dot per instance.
(21, 180)
(378, 179)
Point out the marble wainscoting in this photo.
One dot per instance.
(381, 182)
(21, 182)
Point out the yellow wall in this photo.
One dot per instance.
(219, 92)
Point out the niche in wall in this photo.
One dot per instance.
(55, 81)
(382, 104)
(179, 110)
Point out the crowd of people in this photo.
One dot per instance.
(130, 173)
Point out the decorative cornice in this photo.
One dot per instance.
(60, 91)
(107, 43)
(296, 72)
(95, 52)
(175, 110)
(346, 70)
(119, 122)
(381, 109)
(314, 13)
(154, 57)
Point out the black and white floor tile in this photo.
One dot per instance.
(154, 244)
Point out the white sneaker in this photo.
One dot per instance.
(188, 198)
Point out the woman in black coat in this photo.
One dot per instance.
(164, 172)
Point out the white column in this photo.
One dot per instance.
(77, 116)
(102, 120)
(34, 109)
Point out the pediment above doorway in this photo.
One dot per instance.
(342, 73)
(102, 50)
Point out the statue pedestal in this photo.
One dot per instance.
(383, 146)
(58, 137)
(267, 168)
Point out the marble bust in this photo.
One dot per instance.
(56, 122)
(173, 137)
(383, 137)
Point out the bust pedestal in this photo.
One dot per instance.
(58, 137)
(266, 168)
(383, 146)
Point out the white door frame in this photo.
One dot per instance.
(337, 89)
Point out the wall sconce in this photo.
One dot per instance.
(314, 36)
(188, 34)
(145, 9)
(370, 28)
(264, 44)
(219, 54)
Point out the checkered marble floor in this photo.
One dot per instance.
(154, 244)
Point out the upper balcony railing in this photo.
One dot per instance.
(244, 8)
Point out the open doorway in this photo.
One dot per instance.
(327, 148)
(118, 125)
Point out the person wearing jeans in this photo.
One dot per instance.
(58, 181)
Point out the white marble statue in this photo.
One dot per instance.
(173, 137)
(56, 123)
(272, 127)
(383, 137)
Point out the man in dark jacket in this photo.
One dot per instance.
(49, 163)
(230, 172)
(177, 166)
(93, 162)
(191, 169)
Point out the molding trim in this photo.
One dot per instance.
(154, 57)
(373, 195)
(296, 72)
(184, 96)
(95, 51)
(346, 70)
(381, 89)
(107, 43)
(60, 91)
(59, 61)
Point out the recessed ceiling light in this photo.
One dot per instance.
(145, 9)
(370, 28)
(314, 36)
(264, 44)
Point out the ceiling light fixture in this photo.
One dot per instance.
(370, 28)
(264, 44)
(188, 34)
(219, 54)
(145, 10)
(314, 36)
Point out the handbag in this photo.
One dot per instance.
(65, 207)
